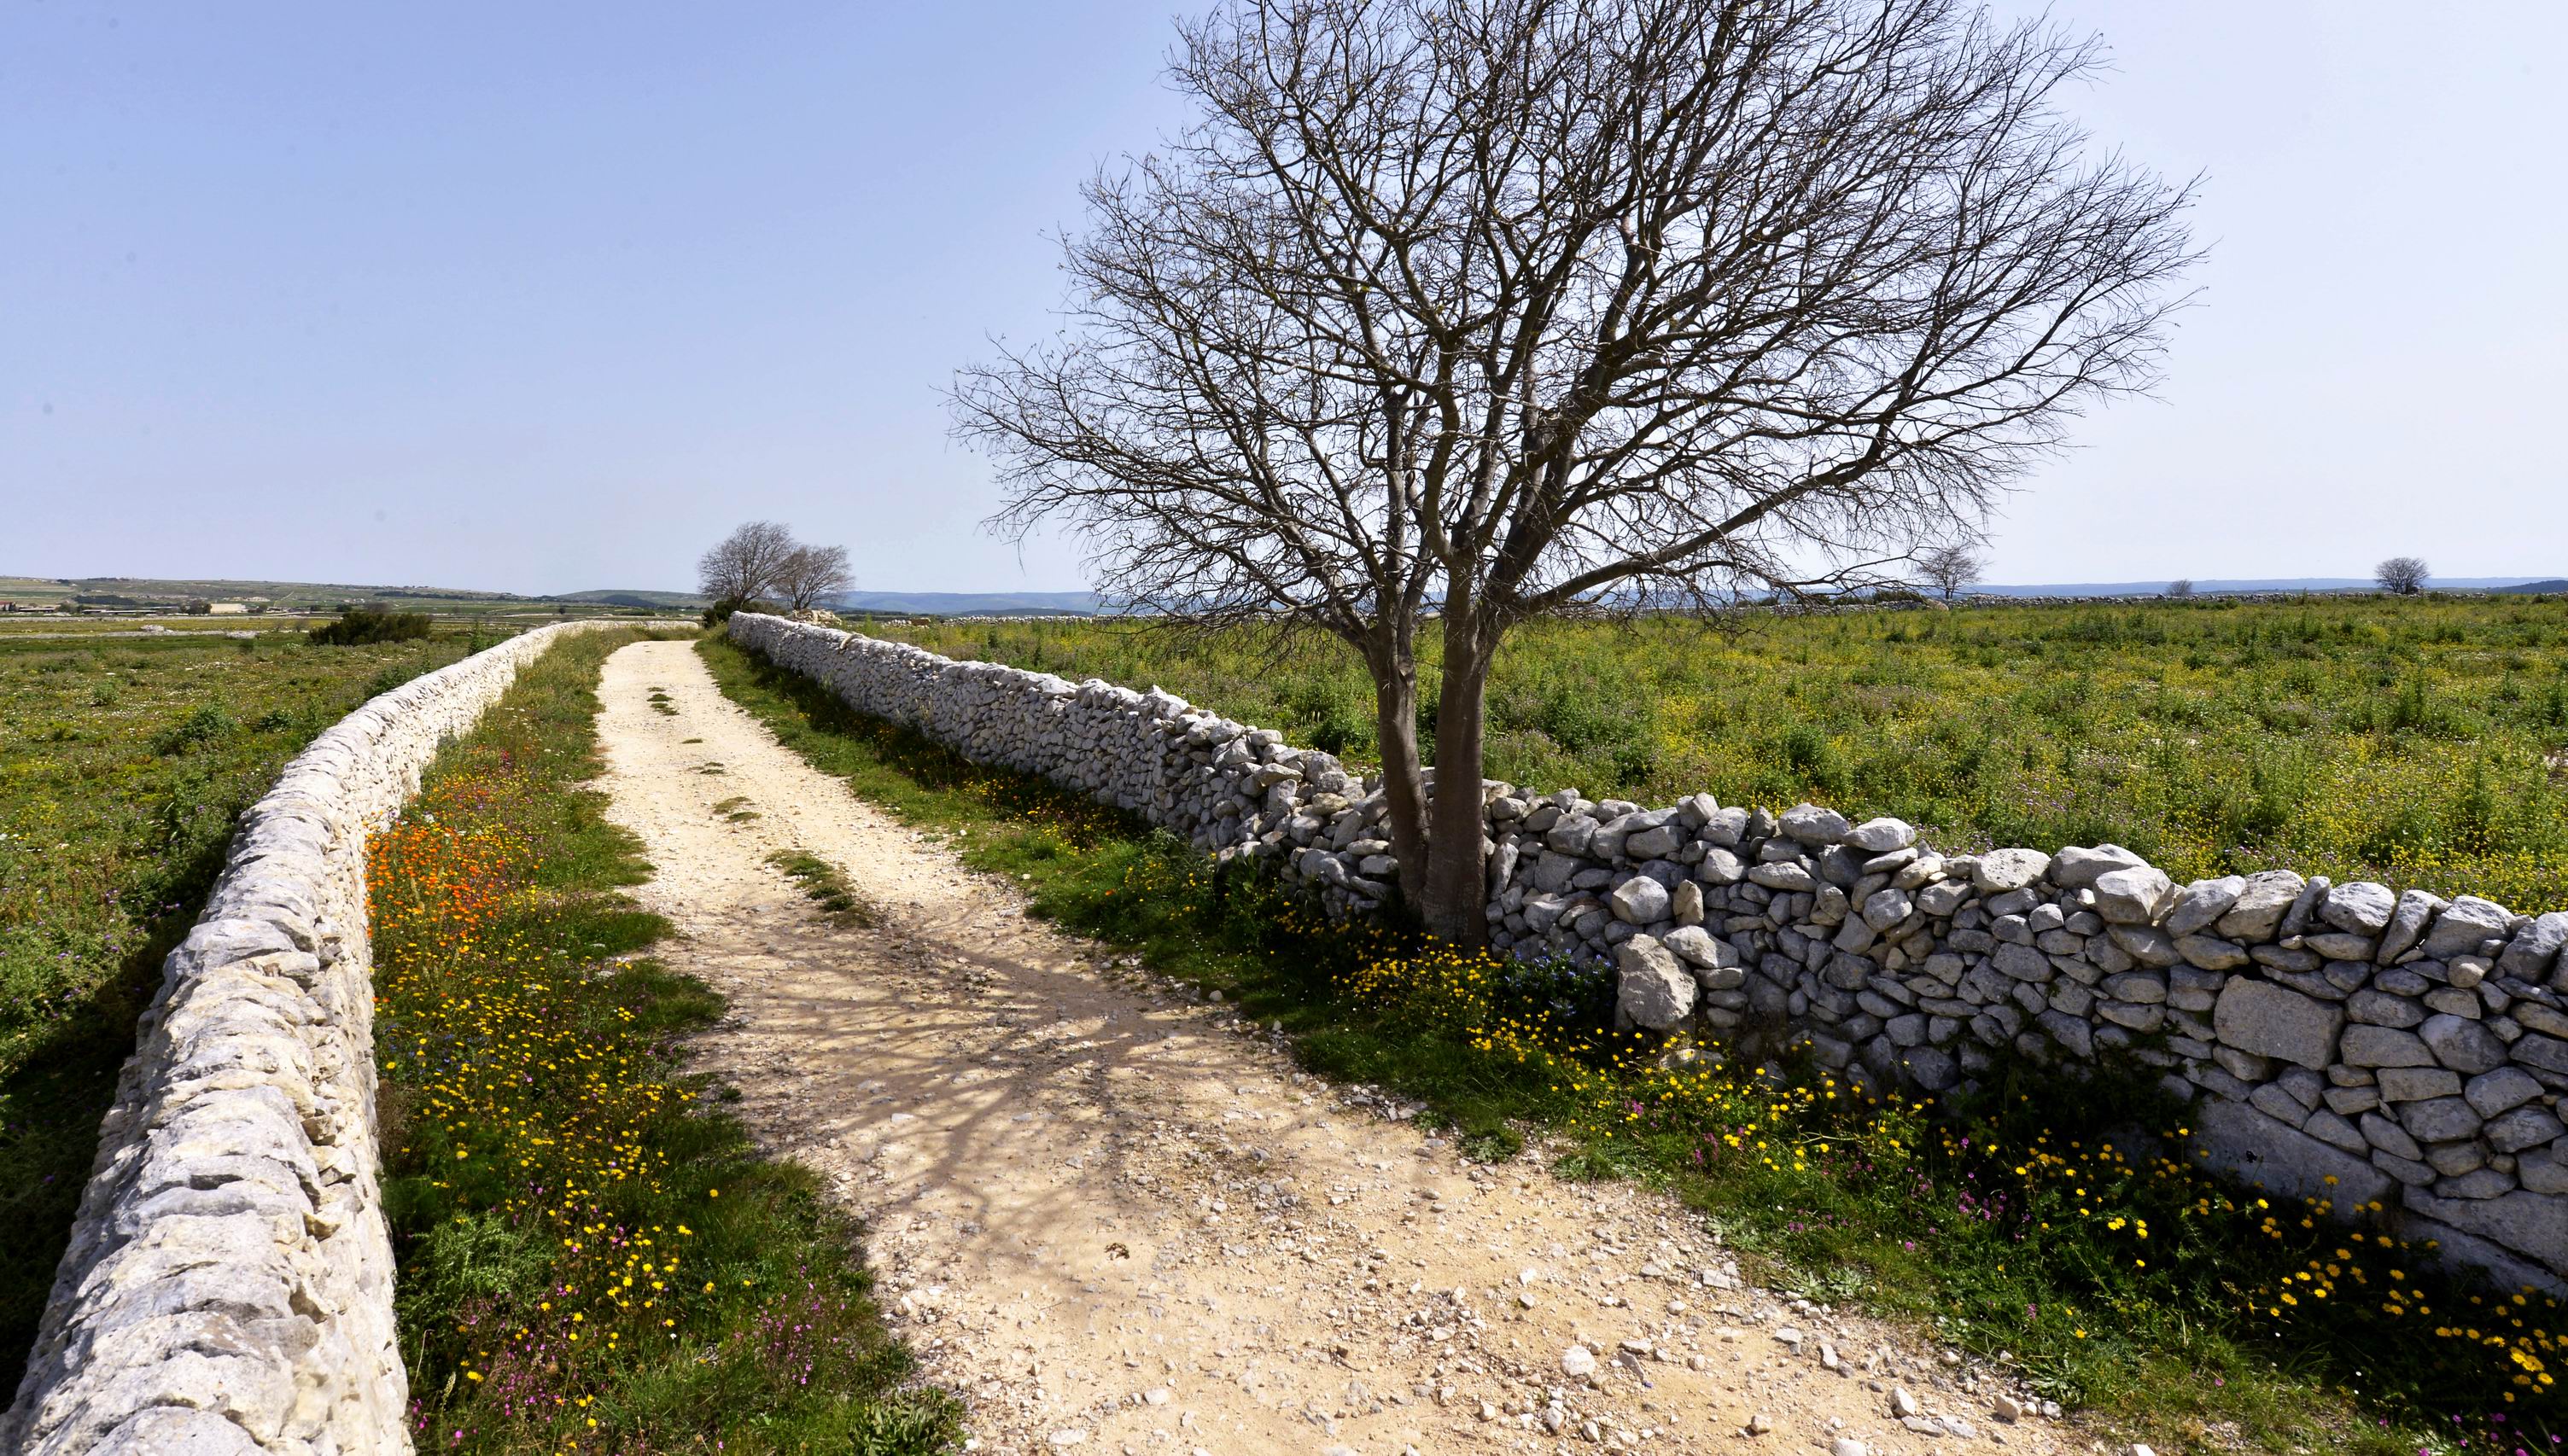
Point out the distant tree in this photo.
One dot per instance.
(1446, 314)
(745, 565)
(811, 573)
(1950, 567)
(2402, 576)
(2180, 587)
(198, 608)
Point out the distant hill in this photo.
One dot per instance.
(620, 597)
(2557, 586)
(970, 604)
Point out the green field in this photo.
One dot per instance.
(124, 763)
(2421, 742)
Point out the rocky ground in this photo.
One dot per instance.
(1110, 1216)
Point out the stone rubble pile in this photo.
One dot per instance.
(229, 1281)
(2339, 1041)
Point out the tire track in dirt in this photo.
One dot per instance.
(1113, 1219)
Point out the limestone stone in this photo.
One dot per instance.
(2002, 870)
(2464, 924)
(2416, 1083)
(2268, 1021)
(2417, 910)
(2527, 1222)
(1640, 900)
(2384, 1047)
(2533, 953)
(1887, 907)
(1882, 836)
(2269, 896)
(1813, 825)
(2245, 1143)
(2204, 901)
(2462, 1044)
(2438, 1119)
(2211, 952)
(2137, 896)
(1701, 947)
(2077, 868)
(1651, 990)
(2524, 1127)
(2362, 908)
(2501, 1091)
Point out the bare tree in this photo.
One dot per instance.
(1468, 311)
(1950, 566)
(2181, 587)
(809, 573)
(2402, 576)
(745, 565)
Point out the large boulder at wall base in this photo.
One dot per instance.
(1652, 989)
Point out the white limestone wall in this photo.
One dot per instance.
(229, 1281)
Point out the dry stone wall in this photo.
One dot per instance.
(229, 1281)
(2339, 1041)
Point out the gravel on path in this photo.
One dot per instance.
(1110, 1217)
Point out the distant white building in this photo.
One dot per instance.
(230, 608)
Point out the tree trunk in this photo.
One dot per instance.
(1457, 895)
(1395, 708)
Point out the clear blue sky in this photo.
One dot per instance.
(546, 297)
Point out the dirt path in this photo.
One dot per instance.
(1113, 1219)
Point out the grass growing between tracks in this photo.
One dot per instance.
(593, 1256)
(124, 764)
(2055, 1225)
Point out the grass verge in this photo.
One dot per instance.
(593, 1256)
(2051, 1226)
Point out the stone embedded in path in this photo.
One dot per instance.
(1578, 1363)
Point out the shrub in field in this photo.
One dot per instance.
(359, 626)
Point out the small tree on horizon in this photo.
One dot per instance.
(2182, 586)
(2402, 576)
(1951, 566)
(745, 565)
(809, 573)
(1451, 314)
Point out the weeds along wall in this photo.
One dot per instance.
(229, 1281)
(2336, 1042)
